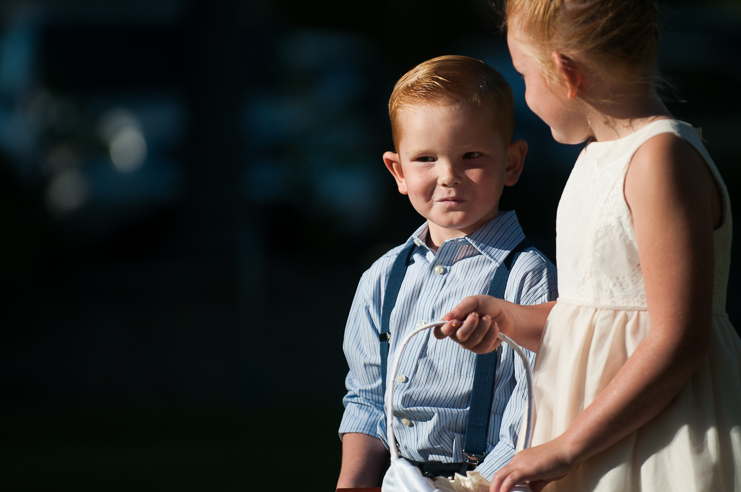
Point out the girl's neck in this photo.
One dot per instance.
(618, 117)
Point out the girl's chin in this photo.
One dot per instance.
(568, 139)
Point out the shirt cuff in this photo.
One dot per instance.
(499, 456)
(360, 418)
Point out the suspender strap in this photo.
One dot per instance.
(396, 277)
(482, 395)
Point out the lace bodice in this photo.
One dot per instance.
(596, 251)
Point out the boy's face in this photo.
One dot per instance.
(453, 165)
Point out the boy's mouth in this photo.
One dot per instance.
(451, 200)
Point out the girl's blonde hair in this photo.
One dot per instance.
(455, 79)
(621, 34)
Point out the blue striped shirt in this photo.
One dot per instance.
(433, 389)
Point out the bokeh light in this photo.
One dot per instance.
(67, 191)
(122, 132)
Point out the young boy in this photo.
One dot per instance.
(452, 121)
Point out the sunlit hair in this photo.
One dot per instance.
(455, 80)
(622, 35)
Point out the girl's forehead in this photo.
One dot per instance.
(521, 52)
(520, 30)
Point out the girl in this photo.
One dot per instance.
(638, 372)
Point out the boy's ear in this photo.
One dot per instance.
(393, 164)
(515, 161)
(570, 73)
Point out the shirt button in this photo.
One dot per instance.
(420, 323)
(406, 422)
(439, 269)
(417, 242)
(401, 378)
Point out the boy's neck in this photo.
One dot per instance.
(437, 235)
(430, 243)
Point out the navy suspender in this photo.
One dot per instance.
(482, 396)
(396, 277)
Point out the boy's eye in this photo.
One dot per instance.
(471, 155)
(425, 158)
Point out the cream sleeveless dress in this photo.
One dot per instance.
(600, 318)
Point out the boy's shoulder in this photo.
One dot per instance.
(530, 254)
(527, 257)
(506, 239)
(373, 281)
(533, 277)
(384, 263)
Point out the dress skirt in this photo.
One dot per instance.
(689, 446)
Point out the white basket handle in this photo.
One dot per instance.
(389, 397)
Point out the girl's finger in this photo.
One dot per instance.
(467, 328)
(478, 334)
(490, 341)
(463, 309)
(498, 478)
(447, 329)
(510, 481)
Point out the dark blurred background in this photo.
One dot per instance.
(189, 192)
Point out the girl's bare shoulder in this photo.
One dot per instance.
(666, 166)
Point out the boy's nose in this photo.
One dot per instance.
(449, 175)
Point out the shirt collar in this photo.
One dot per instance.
(420, 236)
(495, 239)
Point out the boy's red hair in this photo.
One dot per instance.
(455, 80)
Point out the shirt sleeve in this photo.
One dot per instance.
(532, 281)
(364, 399)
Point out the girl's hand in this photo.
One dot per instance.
(483, 318)
(537, 466)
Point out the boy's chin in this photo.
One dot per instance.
(452, 229)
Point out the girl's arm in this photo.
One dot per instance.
(485, 316)
(675, 205)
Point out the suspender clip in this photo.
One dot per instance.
(384, 337)
(474, 459)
